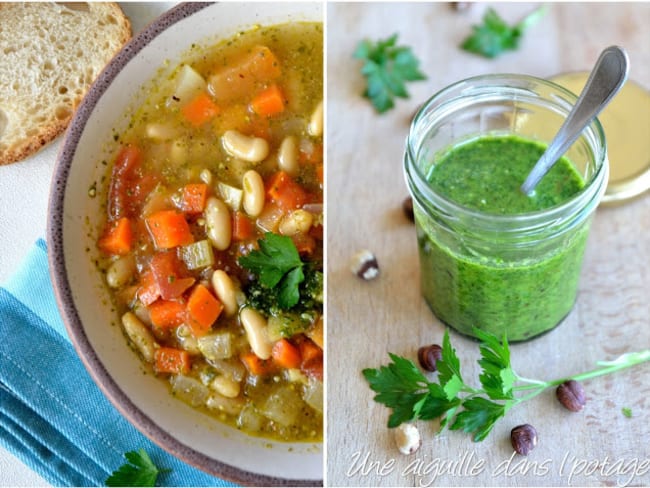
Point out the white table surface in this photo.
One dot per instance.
(24, 190)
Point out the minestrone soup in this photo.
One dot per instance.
(213, 241)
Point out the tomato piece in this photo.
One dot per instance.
(129, 187)
(312, 358)
(167, 272)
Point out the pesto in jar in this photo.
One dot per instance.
(484, 286)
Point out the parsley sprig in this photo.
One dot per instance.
(387, 67)
(494, 35)
(139, 470)
(402, 387)
(277, 263)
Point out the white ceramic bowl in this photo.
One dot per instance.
(72, 232)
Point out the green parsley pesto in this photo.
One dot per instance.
(484, 286)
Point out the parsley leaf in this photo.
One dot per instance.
(387, 67)
(402, 387)
(289, 287)
(497, 377)
(277, 264)
(627, 412)
(436, 403)
(449, 368)
(138, 471)
(494, 35)
(478, 417)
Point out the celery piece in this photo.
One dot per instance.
(230, 195)
(198, 254)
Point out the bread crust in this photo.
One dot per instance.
(50, 54)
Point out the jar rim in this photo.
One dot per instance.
(587, 198)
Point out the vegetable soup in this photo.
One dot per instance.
(213, 240)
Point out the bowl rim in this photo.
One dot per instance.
(63, 291)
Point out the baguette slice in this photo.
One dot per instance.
(50, 54)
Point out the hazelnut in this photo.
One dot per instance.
(571, 395)
(364, 265)
(459, 6)
(428, 356)
(407, 438)
(523, 439)
(407, 208)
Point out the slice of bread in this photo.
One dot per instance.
(50, 54)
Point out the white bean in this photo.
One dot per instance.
(288, 155)
(225, 386)
(315, 127)
(255, 326)
(218, 224)
(253, 199)
(251, 149)
(226, 291)
(140, 336)
(160, 132)
(297, 222)
(120, 271)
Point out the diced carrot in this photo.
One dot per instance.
(257, 366)
(203, 309)
(168, 228)
(319, 173)
(194, 197)
(117, 238)
(171, 360)
(241, 76)
(167, 273)
(285, 192)
(309, 350)
(269, 101)
(242, 227)
(200, 109)
(167, 313)
(286, 354)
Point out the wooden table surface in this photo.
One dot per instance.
(366, 320)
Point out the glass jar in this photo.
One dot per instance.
(515, 274)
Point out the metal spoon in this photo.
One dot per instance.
(606, 79)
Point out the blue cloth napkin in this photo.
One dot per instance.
(52, 415)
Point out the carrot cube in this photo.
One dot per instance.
(117, 238)
(204, 309)
(168, 228)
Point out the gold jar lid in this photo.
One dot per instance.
(626, 121)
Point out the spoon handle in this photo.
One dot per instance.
(606, 79)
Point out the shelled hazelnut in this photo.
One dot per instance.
(523, 439)
(571, 394)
